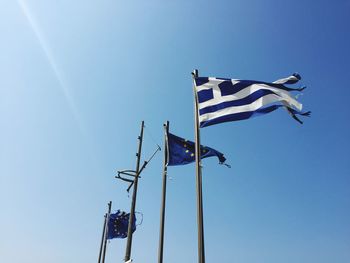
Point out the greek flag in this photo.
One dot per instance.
(222, 100)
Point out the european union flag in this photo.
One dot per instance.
(181, 151)
(118, 225)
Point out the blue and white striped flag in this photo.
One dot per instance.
(223, 100)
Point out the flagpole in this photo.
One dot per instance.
(103, 238)
(133, 202)
(201, 252)
(162, 209)
(106, 231)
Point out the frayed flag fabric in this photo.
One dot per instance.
(223, 100)
(182, 151)
(118, 225)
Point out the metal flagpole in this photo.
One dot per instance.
(106, 231)
(201, 252)
(162, 209)
(102, 239)
(133, 202)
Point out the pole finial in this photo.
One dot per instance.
(195, 73)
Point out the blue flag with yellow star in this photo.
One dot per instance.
(118, 225)
(181, 151)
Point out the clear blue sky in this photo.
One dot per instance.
(77, 78)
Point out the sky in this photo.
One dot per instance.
(78, 77)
